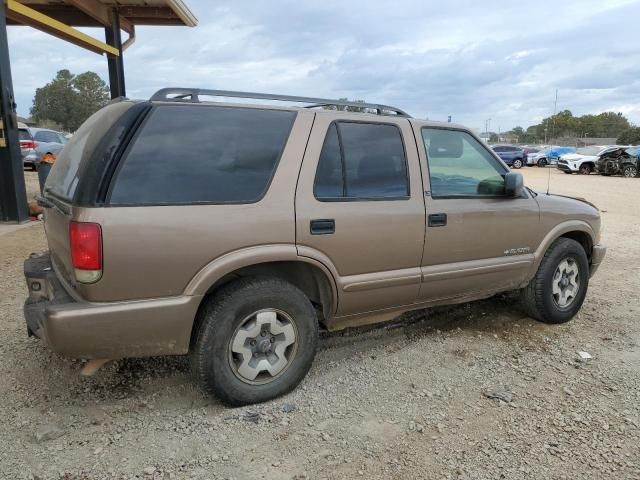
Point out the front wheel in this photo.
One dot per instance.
(630, 171)
(556, 292)
(517, 163)
(542, 162)
(585, 169)
(256, 341)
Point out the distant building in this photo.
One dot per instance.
(26, 121)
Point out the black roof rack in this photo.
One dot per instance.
(193, 95)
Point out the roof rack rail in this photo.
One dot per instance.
(193, 95)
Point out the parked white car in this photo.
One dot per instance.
(584, 160)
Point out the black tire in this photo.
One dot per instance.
(537, 297)
(567, 172)
(585, 169)
(542, 162)
(517, 163)
(220, 319)
(630, 171)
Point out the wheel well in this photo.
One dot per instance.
(310, 279)
(583, 239)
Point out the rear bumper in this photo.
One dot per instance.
(82, 329)
(597, 255)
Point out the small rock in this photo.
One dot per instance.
(500, 392)
(419, 428)
(149, 470)
(289, 407)
(585, 355)
(567, 391)
(48, 432)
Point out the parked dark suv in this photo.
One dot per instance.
(234, 232)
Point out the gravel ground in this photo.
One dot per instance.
(411, 399)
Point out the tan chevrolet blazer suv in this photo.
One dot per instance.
(233, 232)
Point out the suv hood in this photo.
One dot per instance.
(576, 156)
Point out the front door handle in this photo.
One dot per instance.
(325, 226)
(437, 220)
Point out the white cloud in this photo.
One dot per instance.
(472, 60)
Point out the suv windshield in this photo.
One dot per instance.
(63, 179)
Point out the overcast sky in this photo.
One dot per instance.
(468, 59)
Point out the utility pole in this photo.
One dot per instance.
(487, 123)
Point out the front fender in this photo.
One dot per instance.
(555, 233)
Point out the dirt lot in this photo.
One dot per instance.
(404, 400)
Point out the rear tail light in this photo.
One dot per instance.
(28, 144)
(85, 240)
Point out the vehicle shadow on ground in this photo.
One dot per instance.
(496, 315)
(169, 377)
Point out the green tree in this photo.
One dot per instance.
(342, 108)
(518, 132)
(564, 124)
(493, 138)
(630, 136)
(68, 100)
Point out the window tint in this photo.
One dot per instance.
(371, 163)
(498, 149)
(329, 181)
(190, 154)
(24, 134)
(47, 137)
(460, 166)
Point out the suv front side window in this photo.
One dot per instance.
(459, 166)
(362, 161)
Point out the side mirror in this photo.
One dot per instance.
(513, 184)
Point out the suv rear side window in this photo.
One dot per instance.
(362, 161)
(47, 137)
(63, 179)
(202, 154)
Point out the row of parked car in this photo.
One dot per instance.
(35, 143)
(603, 159)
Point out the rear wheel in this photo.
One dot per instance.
(517, 163)
(556, 292)
(630, 171)
(568, 172)
(542, 162)
(256, 341)
(585, 169)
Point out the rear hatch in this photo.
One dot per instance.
(62, 183)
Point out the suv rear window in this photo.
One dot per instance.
(202, 154)
(24, 134)
(63, 179)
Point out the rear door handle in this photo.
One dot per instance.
(437, 219)
(325, 226)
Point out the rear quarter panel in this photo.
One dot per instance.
(155, 251)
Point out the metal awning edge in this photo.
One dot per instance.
(182, 11)
(38, 20)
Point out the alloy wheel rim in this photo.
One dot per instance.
(566, 283)
(263, 346)
(630, 172)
